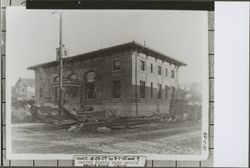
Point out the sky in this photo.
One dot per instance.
(33, 36)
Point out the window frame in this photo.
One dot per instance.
(159, 70)
(142, 89)
(113, 64)
(166, 91)
(151, 68)
(142, 65)
(151, 89)
(40, 92)
(172, 74)
(88, 84)
(113, 91)
(159, 91)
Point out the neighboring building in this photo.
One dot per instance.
(24, 89)
(130, 79)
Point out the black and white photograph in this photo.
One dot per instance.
(107, 82)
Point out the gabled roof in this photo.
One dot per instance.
(100, 52)
(28, 82)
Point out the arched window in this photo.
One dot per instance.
(90, 85)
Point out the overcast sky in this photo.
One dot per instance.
(33, 36)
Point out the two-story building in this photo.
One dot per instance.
(129, 78)
(24, 89)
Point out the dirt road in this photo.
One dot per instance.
(161, 138)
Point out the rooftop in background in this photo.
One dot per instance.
(125, 46)
(28, 82)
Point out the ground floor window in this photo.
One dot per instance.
(91, 90)
(151, 89)
(41, 92)
(90, 85)
(56, 95)
(173, 92)
(142, 89)
(116, 89)
(166, 91)
(159, 91)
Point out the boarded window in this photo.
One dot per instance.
(142, 65)
(159, 70)
(116, 91)
(159, 91)
(151, 68)
(116, 65)
(151, 89)
(142, 89)
(172, 74)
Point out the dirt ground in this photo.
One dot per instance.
(182, 137)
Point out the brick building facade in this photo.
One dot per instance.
(129, 79)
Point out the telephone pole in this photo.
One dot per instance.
(60, 61)
(60, 109)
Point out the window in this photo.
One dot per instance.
(90, 85)
(166, 72)
(116, 91)
(116, 65)
(142, 65)
(159, 70)
(56, 94)
(159, 91)
(151, 68)
(73, 91)
(166, 91)
(151, 89)
(173, 92)
(142, 89)
(41, 92)
(90, 77)
(172, 73)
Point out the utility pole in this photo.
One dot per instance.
(60, 61)
(60, 109)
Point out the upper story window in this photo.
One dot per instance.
(151, 68)
(116, 65)
(142, 65)
(166, 72)
(159, 70)
(172, 74)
